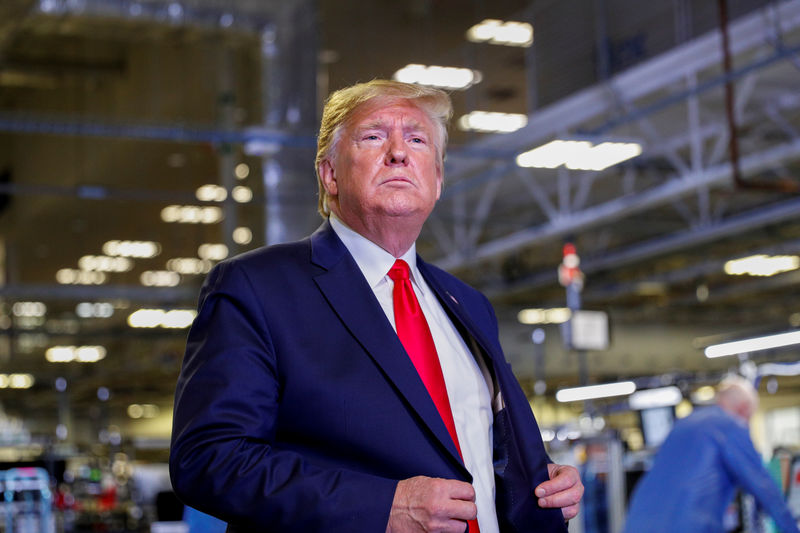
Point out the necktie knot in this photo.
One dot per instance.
(399, 270)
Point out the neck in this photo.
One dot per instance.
(393, 234)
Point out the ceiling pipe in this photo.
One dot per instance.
(784, 185)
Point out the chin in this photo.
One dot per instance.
(405, 209)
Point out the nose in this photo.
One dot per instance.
(396, 151)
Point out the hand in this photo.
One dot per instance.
(431, 505)
(564, 490)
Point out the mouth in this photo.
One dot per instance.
(396, 180)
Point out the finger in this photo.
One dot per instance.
(570, 511)
(462, 510)
(564, 498)
(562, 477)
(459, 490)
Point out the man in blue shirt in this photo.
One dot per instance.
(695, 474)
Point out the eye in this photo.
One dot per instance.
(418, 140)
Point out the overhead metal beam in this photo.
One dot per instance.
(662, 71)
(92, 293)
(774, 214)
(622, 207)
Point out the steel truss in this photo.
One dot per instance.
(673, 103)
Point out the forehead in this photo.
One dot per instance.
(383, 112)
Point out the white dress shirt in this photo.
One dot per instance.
(467, 389)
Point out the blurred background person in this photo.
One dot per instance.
(700, 465)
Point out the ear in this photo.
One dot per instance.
(328, 177)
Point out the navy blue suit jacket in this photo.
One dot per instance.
(297, 408)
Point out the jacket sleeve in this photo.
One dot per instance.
(745, 465)
(224, 458)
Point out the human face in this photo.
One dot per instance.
(385, 166)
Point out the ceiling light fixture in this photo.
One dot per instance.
(509, 33)
(94, 310)
(73, 276)
(436, 76)
(593, 392)
(140, 249)
(212, 252)
(191, 214)
(755, 344)
(660, 397)
(579, 155)
(159, 318)
(762, 265)
(144, 410)
(779, 369)
(159, 278)
(16, 381)
(104, 263)
(554, 315)
(211, 193)
(79, 354)
(242, 194)
(29, 309)
(189, 265)
(242, 235)
(486, 121)
(241, 171)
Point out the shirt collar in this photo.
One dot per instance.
(373, 261)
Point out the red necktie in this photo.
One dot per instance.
(415, 335)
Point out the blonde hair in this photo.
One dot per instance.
(341, 105)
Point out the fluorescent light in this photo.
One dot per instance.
(178, 318)
(762, 265)
(191, 214)
(145, 410)
(105, 263)
(213, 252)
(143, 249)
(73, 276)
(579, 155)
(159, 318)
(242, 171)
(242, 235)
(189, 265)
(16, 381)
(753, 345)
(146, 318)
(591, 392)
(159, 278)
(554, 315)
(211, 193)
(89, 354)
(493, 31)
(80, 354)
(94, 310)
(29, 309)
(242, 194)
(779, 369)
(492, 122)
(436, 76)
(660, 397)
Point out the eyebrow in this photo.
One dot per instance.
(412, 126)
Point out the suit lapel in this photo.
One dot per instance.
(455, 309)
(351, 297)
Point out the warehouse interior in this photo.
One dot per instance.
(143, 141)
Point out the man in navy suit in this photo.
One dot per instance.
(298, 408)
